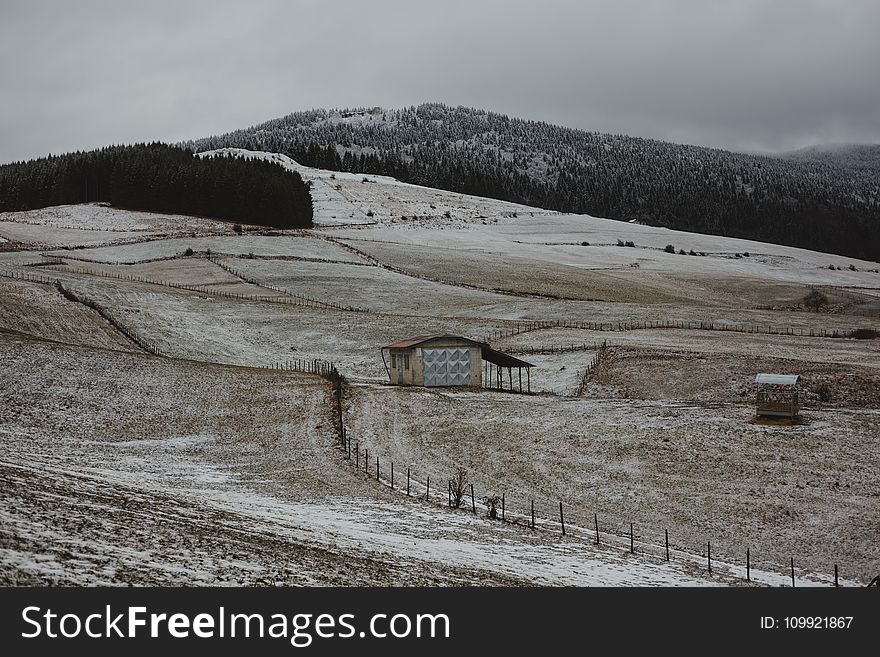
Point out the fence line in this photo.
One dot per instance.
(601, 355)
(208, 253)
(768, 329)
(306, 300)
(368, 462)
(558, 349)
(605, 532)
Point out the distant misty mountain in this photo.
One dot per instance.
(865, 156)
(814, 200)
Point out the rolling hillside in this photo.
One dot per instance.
(815, 203)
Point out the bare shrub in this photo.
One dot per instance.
(815, 300)
(458, 484)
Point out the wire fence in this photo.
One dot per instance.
(601, 355)
(525, 511)
(766, 329)
(304, 299)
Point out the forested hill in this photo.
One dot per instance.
(809, 202)
(161, 178)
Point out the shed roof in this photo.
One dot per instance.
(501, 359)
(419, 339)
(777, 379)
(487, 353)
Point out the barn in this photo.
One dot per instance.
(777, 395)
(443, 359)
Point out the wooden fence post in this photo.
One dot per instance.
(407, 482)
(533, 514)
(428, 489)
(596, 522)
(503, 519)
(473, 501)
(377, 468)
(792, 572)
(709, 555)
(632, 546)
(835, 575)
(392, 474)
(667, 544)
(748, 565)
(561, 518)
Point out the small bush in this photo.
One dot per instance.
(369, 213)
(746, 254)
(831, 267)
(823, 390)
(852, 268)
(669, 248)
(237, 228)
(631, 244)
(585, 244)
(492, 502)
(188, 252)
(620, 243)
(702, 253)
(738, 255)
(447, 214)
(682, 252)
(865, 334)
(692, 252)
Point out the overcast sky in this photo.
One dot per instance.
(740, 74)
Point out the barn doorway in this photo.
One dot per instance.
(447, 367)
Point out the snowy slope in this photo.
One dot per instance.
(341, 198)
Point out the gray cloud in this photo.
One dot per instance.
(752, 74)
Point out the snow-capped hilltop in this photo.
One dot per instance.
(794, 201)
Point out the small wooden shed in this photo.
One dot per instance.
(443, 359)
(777, 395)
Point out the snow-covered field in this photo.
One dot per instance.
(119, 466)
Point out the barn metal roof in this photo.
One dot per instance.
(778, 379)
(419, 339)
(488, 354)
(501, 359)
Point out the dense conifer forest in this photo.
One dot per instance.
(161, 178)
(812, 202)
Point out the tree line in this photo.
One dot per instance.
(161, 178)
